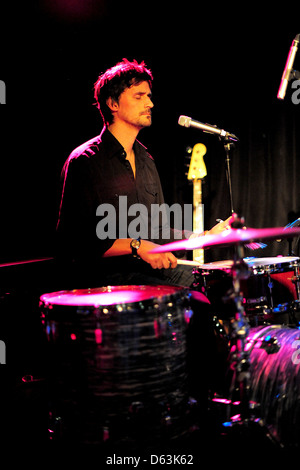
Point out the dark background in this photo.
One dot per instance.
(220, 65)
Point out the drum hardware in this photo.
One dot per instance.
(296, 278)
(293, 309)
(196, 283)
(270, 287)
(257, 303)
(270, 344)
(239, 356)
(281, 308)
(221, 327)
(239, 330)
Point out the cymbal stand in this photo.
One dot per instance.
(248, 423)
(239, 357)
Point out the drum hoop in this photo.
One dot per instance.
(57, 298)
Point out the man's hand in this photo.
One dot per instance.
(221, 226)
(121, 246)
(156, 260)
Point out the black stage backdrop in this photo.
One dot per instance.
(221, 66)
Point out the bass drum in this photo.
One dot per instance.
(275, 380)
(117, 363)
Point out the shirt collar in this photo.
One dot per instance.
(114, 148)
(111, 144)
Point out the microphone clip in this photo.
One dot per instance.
(228, 137)
(294, 75)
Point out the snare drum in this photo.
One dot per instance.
(117, 361)
(269, 292)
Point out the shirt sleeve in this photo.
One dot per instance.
(76, 229)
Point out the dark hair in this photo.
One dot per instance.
(115, 80)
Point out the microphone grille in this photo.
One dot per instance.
(184, 121)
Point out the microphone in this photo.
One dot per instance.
(288, 68)
(186, 121)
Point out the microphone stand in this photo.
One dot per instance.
(229, 140)
(228, 145)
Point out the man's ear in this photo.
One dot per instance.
(112, 104)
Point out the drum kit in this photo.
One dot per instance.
(117, 354)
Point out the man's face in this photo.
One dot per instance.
(135, 106)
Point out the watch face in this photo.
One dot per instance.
(135, 243)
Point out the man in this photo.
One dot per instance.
(104, 173)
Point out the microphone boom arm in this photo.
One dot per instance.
(186, 121)
(229, 140)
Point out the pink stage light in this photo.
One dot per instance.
(76, 9)
(224, 401)
(98, 336)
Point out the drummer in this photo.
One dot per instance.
(110, 169)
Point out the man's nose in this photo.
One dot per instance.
(150, 104)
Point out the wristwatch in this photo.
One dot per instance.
(135, 244)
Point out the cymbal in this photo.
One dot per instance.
(230, 237)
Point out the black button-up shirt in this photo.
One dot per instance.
(98, 173)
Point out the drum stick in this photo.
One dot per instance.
(188, 262)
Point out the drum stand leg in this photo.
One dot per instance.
(296, 303)
(270, 287)
(296, 279)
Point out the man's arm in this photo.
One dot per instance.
(156, 260)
